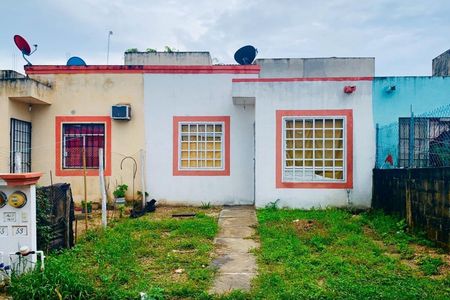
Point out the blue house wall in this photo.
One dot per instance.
(424, 94)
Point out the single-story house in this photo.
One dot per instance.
(299, 131)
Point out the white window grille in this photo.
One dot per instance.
(201, 146)
(314, 149)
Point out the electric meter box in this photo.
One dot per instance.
(18, 213)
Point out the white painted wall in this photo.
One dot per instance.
(10, 241)
(168, 95)
(272, 96)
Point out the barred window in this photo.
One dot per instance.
(201, 146)
(314, 149)
(90, 136)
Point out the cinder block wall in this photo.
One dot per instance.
(422, 196)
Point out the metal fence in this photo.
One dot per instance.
(415, 141)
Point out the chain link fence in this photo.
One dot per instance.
(415, 141)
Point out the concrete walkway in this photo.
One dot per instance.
(236, 265)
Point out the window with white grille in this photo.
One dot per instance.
(201, 146)
(314, 149)
(79, 139)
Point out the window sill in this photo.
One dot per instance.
(314, 185)
(79, 172)
(201, 172)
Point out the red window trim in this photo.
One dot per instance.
(348, 184)
(176, 170)
(59, 121)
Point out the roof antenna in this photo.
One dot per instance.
(110, 33)
(24, 47)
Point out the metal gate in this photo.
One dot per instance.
(20, 142)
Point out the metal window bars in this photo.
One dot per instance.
(415, 141)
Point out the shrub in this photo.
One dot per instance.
(43, 220)
(120, 191)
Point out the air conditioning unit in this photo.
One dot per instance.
(121, 112)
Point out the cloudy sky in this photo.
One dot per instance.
(403, 35)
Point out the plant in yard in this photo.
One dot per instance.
(119, 193)
(273, 205)
(430, 265)
(121, 209)
(88, 206)
(4, 276)
(402, 225)
(205, 205)
(43, 220)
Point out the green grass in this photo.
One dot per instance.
(316, 254)
(134, 256)
(337, 256)
(430, 265)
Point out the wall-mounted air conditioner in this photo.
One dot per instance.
(121, 112)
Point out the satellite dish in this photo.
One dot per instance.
(76, 61)
(24, 47)
(245, 55)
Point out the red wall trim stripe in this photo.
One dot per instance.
(59, 120)
(348, 184)
(227, 158)
(163, 69)
(303, 79)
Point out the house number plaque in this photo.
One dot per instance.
(20, 230)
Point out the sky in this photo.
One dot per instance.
(403, 36)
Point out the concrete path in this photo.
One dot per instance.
(236, 265)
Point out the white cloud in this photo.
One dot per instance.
(403, 36)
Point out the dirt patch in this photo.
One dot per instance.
(5, 297)
(305, 226)
(321, 282)
(419, 251)
(162, 212)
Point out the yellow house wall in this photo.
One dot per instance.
(9, 109)
(90, 95)
(4, 133)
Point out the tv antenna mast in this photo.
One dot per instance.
(110, 33)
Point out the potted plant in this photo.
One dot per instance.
(119, 193)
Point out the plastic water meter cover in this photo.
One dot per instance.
(17, 199)
(3, 199)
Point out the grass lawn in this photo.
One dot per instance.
(317, 254)
(159, 255)
(332, 254)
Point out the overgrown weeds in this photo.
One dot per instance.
(335, 254)
(135, 256)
